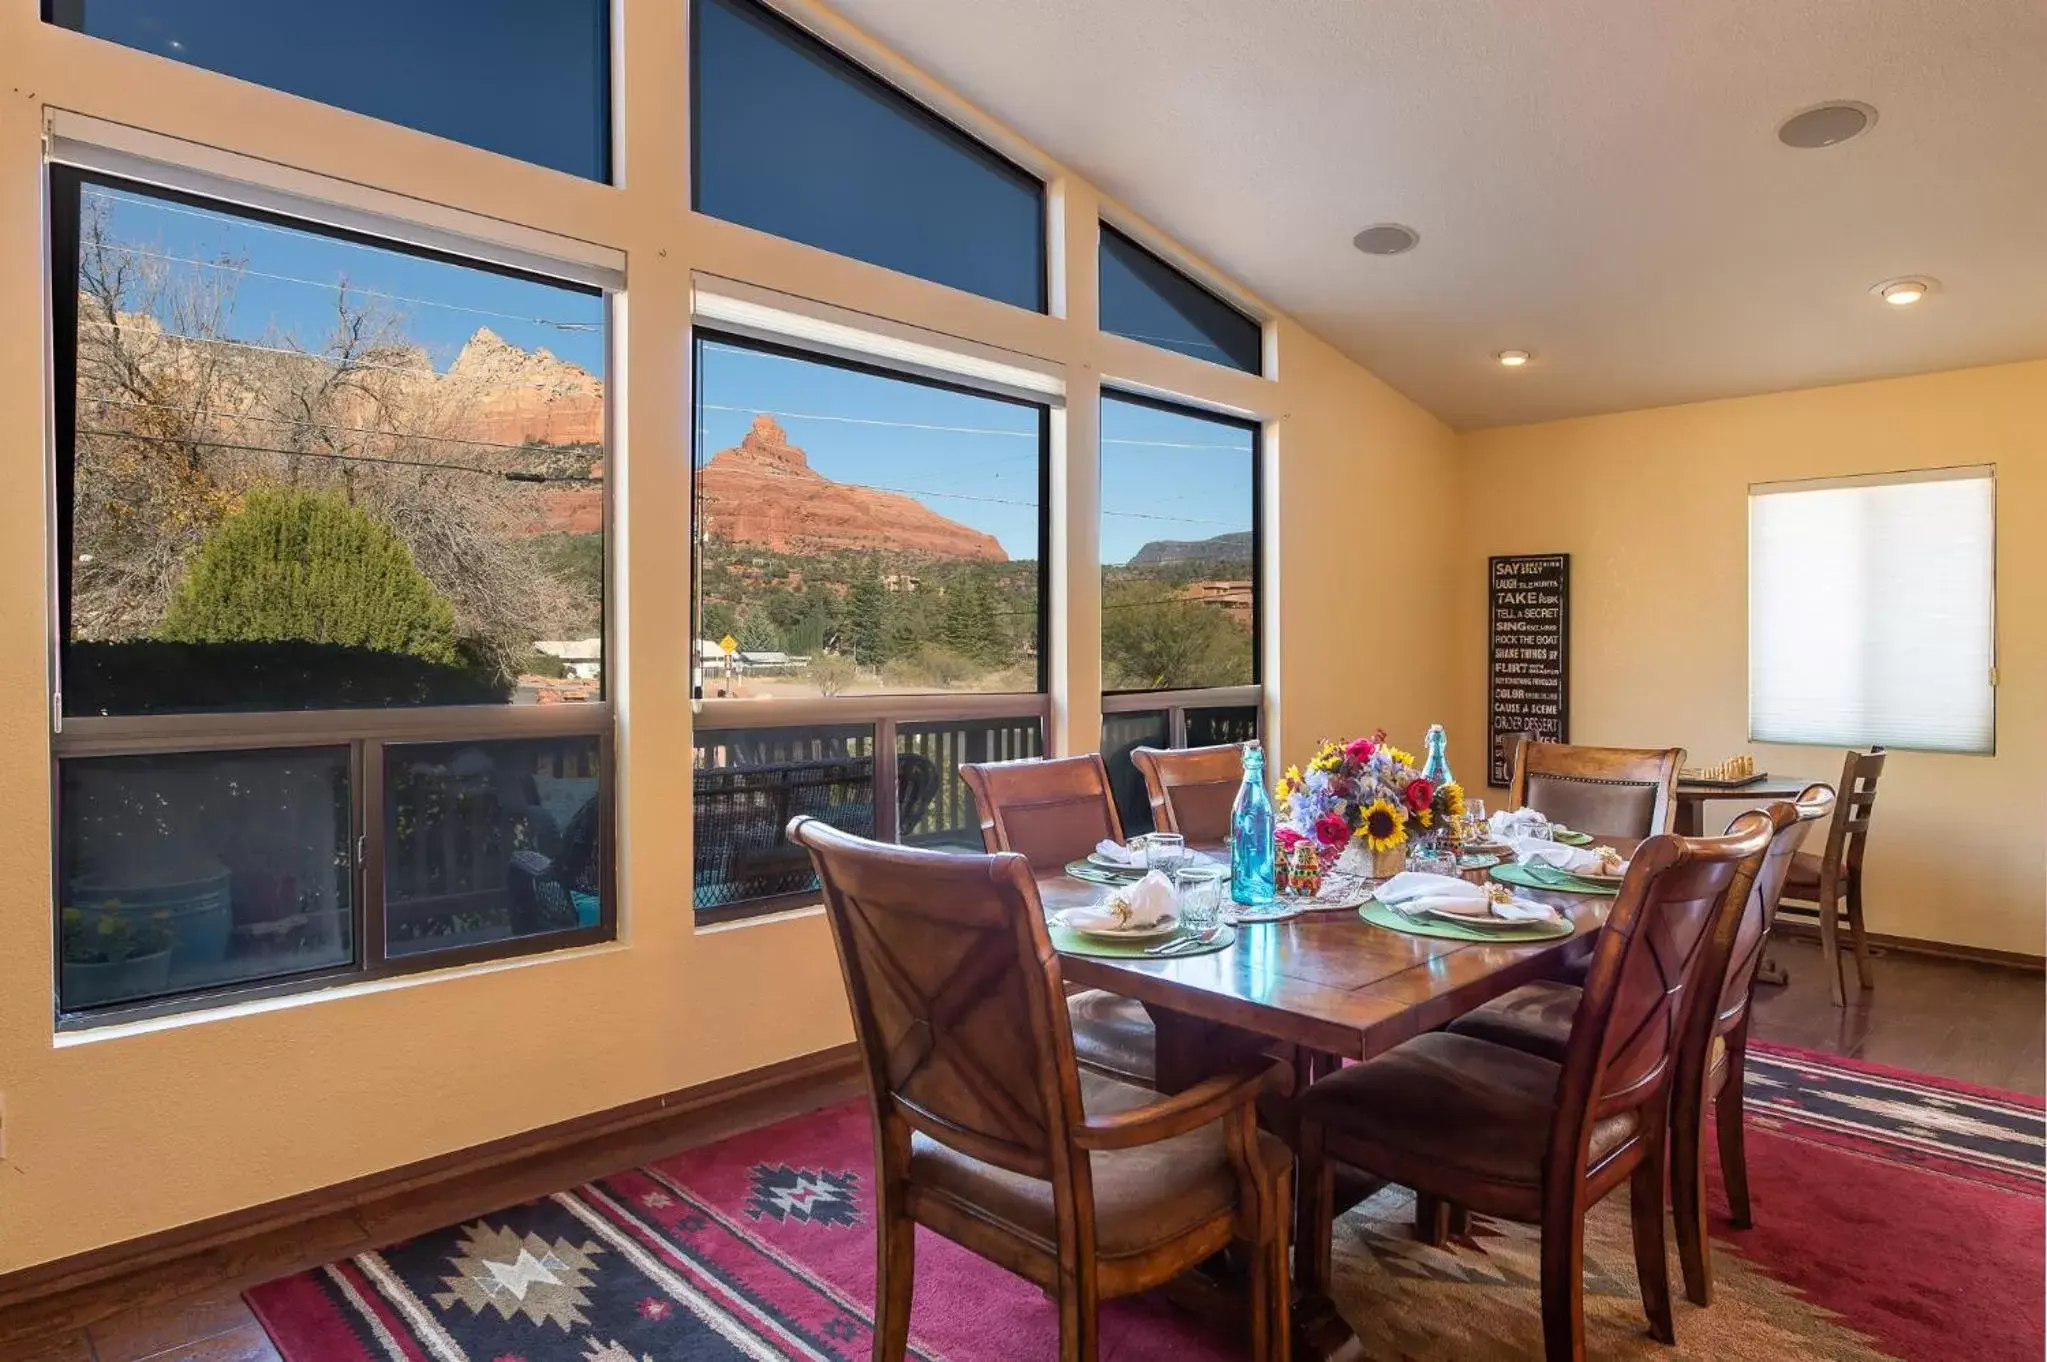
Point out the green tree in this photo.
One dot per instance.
(309, 566)
(757, 632)
(807, 637)
(969, 626)
(867, 611)
(1152, 641)
(717, 620)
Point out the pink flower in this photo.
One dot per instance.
(1289, 839)
(1361, 750)
(1331, 830)
(1420, 793)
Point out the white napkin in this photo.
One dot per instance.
(1131, 908)
(1418, 891)
(1576, 860)
(1508, 824)
(1134, 859)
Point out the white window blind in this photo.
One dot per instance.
(1872, 611)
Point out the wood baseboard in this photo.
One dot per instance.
(1806, 927)
(247, 1246)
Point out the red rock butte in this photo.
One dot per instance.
(764, 491)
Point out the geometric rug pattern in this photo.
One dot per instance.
(1897, 1217)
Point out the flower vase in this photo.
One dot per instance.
(1388, 863)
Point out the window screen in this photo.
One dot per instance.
(1871, 611)
(527, 78)
(794, 139)
(1145, 299)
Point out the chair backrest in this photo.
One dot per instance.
(1644, 982)
(1850, 831)
(1738, 950)
(1507, 745)
(1192, 789)
(957, 1001)
(1049, 810)
(1619, 791)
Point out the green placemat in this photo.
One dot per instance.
(1574, 839)
(1379, 915)
(1068, 942)
(1094, 874)
(1558, 881)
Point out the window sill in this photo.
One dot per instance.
(85, 1031)
(782, 908)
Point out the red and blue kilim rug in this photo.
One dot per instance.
(1897, 1217)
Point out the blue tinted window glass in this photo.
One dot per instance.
(1145, 299)
(528, 78)
(793, 139)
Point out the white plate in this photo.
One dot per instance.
(1598, 878)
(1485, 923)
(1151, 933)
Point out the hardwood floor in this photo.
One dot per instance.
(1983, 1024)
(1974, 1023)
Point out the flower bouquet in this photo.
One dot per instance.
(1360, 802)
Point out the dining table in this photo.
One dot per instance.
(1322, 988)
(1694, 795)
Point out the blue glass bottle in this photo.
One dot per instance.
(1436, 770)
(1251, 831)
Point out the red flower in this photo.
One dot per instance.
(1331, 830)
(1361, 750)
(1289, 839)
(1420, 793)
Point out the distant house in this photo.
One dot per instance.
(583, 657)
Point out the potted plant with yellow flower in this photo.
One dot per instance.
(1362, 802)
(111, 957)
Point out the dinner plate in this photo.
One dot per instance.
(1570, 837)
(1486, 923)
(1598, 878)
(1154, 932)
(1101, 862)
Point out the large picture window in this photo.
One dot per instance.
(790, 137)
(331, 535)
(870, 607)
(441, 66)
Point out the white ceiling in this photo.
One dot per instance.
(1598, 181)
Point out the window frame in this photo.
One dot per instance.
(715, 715)
(366, 731)
(1759, 491)
(878, 82)
(1254, 687)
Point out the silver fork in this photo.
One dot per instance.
(1186, 943)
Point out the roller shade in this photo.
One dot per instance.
(1872, 611)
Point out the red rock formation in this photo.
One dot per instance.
(765, 492)
(520, 395)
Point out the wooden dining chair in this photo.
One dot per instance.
(1052, 811)
(1511, 1134)
(1832, 881)
(1615, 791)
(1538, 1017)
(988, 1133)
(1192, 789)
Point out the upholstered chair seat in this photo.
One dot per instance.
(1113, 1035)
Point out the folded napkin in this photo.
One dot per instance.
(1133, 858)
(1415, 891)
(1575, 860)
(1508, 824)
(1131, 908)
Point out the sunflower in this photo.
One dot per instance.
(1451, 797)
(1382, 825)
(1401, 758)
(1289, 782)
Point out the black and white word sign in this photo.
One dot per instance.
(1528, 658)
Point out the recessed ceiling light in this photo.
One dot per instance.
(1904, 292)
(1513, 359)
(1386, 238)
(1826, 125)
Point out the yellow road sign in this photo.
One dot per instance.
(729, 644)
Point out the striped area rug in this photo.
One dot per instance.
(1898, 1217)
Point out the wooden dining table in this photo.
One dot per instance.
(1329, 987)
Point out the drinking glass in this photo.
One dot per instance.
(1199, 892)
(1164, 851)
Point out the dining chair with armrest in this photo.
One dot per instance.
(1192, 789)
(1832, 880)
(1537, 1018)
(1617, 791)
(1052, 811)
(988, 1133)
(1521, 1137)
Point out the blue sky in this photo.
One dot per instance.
(1165, 475)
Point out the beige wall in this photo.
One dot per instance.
(1652, 508)
(118, 1134)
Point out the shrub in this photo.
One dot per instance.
(831, 673)
(308, 566)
